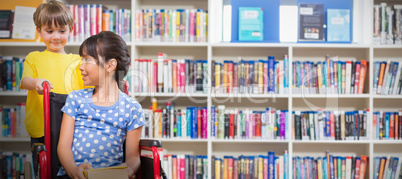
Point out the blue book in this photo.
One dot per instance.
(286, 165)
(251, 24)
(271, 165)
(331, 166)
(327, 124)
(271, 74)
(338, 25)
(194, 122)
(286, 71)
(189, 121)
(386, 121)
(325, 74)
(213, 119)
(179, 124)
(325, 167)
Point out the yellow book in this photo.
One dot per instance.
(225, 168)
(319, 169)
(217, 77)
(116, 172)
(178, 26)
(198, 30)
(218, 169)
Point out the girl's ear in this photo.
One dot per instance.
(111, 65)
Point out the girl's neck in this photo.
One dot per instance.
(106, 94)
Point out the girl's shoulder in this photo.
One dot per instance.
(130, 101)
(82, 93)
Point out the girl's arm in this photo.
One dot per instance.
(133, 151)
(64, 149)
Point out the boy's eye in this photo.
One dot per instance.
(49, 31)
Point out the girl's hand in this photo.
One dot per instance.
(78, 172)
(130, 171)
(39, 87)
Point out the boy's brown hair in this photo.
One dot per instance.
(53, 12)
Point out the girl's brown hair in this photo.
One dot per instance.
(53, 12)
(108, 45)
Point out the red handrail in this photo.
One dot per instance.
(46, 110)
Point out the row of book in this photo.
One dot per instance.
(387, 125)
(185, 166)
(330, 166)
(386, 24)
(12, 121)
(387, 167)
(330, 125)
(171, 25)
(262, 166)
(387, 78)
(11, 162)
(250, 76)
(10, 73)
(90, 19)
(329, 77)
(170, 75)
(170, 122)
(249, 124)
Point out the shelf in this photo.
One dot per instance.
(15, 139)
(178, 140)
(376, 96)
(220, 95)
(171, 44)
(22, 44)
(13, 93)
(248, 141)
(394, 46)
(331, 142)
(294, 45)
(248, 45)
(330, 95)
(387, 142)
(186, 95)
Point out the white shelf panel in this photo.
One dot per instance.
(170, 44)
(185, 95)
(387, 142)
(250, 45)
(13, 93)
(328, 45)
(331, 96)
(218, 95)
(249, 141)
(387, 96)
(178, 140)
(332, 142)
(387, 46)
(15, 139)
(22, 44)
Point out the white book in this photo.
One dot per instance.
(169, 74)
(227, 22)
(348, 76)
(173, 28)
(218, 21)
(398, 169)
(161, 57)
(390, 15)
(311, 121)
(238, 123)
(281, 167)
(187, 29)
(381, 89)
(150, 87)
(398, 74)
(81, 33)
(316, 127)
(281, 75)
(135, 80)
(321, 124)
(348, 168)
(383, 33)
(288, 20)
(165, 77)
(386, 166)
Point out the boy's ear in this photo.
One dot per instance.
(38, 30)
(111, 65)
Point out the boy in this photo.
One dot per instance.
(54, 22)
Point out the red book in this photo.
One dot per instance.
(155, 77)
(182, 166)
(391, 126)
(230, 168)
(174, 166)
(332, 125)
(357, 170)
(182, 76)
(357, 78)
(199, 124)
(231, 126)
(174, 75)
(396, 126)
(257, 117)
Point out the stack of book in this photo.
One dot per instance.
(262, 166)
(330, 125)
(387, 78)
(10, 73)
(90, 19)
(170, 75)
(251, 76)
(12, 121)
(386, 19)
(329, 77)
(175, 25)
(330, 166)
(170, 122)
(185, 166)
(249, 124)
(387, 167)
(10, 162)
(387, 125)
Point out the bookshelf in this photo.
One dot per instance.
(212, 50)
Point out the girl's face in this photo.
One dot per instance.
(91, 72)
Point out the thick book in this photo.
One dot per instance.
(107, 172)
(311, 22)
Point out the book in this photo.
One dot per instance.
(338, 25)
(107, 172)
(311, 22)
(251, 24)
(6, 27)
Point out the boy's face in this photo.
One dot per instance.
(54, 37)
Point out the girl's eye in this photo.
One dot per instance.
(62, 31)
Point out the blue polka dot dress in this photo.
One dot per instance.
(100, 131)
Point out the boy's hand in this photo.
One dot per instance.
(39, 87)
(78, 172)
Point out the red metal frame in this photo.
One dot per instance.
(44, 171)
(157, 165)
(46, 109)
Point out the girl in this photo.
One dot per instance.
(98, 120)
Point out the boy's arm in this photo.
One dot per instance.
(30, 83)
(132, 151)
(64, 149)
